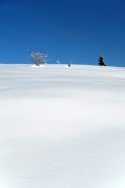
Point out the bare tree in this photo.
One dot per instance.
(69, 63)
(38, 57)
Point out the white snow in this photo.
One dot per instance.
(62, 127)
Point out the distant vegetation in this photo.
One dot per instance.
(40, 58)
(101, 61)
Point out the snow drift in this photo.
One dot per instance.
(62, 127)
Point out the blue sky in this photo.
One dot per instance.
(79, 30)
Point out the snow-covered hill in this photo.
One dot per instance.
(62, 127)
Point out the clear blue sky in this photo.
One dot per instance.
(65, 29)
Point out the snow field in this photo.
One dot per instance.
(62, 127)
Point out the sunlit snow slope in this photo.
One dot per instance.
(62, 127)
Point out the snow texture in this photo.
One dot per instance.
(62, 127)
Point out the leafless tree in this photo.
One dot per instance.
(69, 63)
(38, 57)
